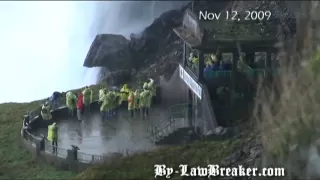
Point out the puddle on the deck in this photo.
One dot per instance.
(119, 134)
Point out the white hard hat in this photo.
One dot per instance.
(54, 124)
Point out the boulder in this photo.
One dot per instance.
(118, 77)
(110, 51)
(115, 52)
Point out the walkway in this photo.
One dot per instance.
(120, 134)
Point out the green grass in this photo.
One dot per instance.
(141, 166)
(16, 162)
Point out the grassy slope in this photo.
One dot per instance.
(15, 161)
(142, 166)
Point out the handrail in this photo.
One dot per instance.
(169, 113)
(170, 121)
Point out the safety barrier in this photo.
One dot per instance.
(256, 72)
(63, 158)
(176, 113)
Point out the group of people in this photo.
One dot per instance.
(80, 103)
(211, 63)
(110, 99)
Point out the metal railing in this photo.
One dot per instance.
(90, 158)
(62, 153)
(30, 138)
(255, 72)
(167, 126)
(56, 150)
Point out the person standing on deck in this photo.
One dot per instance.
(104, 107)
(45, 111)
(112, 103)
(55, 97)
(145, 99)
(80, 106)
(53, 136)
(124, 95)
(87, 99)
(137, 101)
(131, 103)
(101, 92)
(152, 88)
(71, 102)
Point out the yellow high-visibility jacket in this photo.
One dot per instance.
(52, 132)
(145, 98)
(105, 103)
(152, 87)
(71, 100)
(87, 96)
(136, 99)
(45, 112)
(124, 93)
(131, 101)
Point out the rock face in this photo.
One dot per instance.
(115, 52)
(109, 50)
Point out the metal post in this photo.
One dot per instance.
(268, 66)
(184, 58)
(201, 67)
(235, 59)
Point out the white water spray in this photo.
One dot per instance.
(43, 44)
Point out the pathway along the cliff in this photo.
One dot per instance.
(119, 134)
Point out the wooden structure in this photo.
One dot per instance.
(228, 37)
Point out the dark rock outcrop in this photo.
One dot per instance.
(109, 50)
(115, 52)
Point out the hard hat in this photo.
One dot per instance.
(46, 103)
(54, 124)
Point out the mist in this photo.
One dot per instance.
(43, 44)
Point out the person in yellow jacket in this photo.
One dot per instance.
(53, 136)
(112, 101)
(131, 100)
(124, 94)
(87, 99)
(104, 107)
(117, 102)
(71, 102)
(45, 111)
(152, 88)
(145, 100)
(101, 92)
(137, 101)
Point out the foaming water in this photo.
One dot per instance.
(43, 44)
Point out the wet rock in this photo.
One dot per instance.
(110, 51)
(118, 77)
(115, 52)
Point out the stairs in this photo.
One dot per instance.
(173, 129)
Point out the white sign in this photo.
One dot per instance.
(191, 83)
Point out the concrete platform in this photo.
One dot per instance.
(120, 134)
